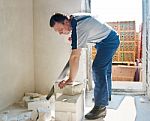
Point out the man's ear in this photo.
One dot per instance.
(66, 21)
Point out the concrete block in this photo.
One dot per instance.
(28, 99)
(45, 104)
(74, 89)
(44, 116)
(33, 95)
(19, 116)
(34, 115)
(3, 117)
(41, 115)
(63, 116)
(69, 108)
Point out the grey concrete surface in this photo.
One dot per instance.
(123, 108)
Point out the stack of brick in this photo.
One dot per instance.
(69, 105)
(40, 107)
(127, 49)
(69, 108)
(33, 101)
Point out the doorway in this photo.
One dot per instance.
(126, 18)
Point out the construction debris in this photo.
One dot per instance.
(32, 107)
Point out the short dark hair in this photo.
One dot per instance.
(57, 17)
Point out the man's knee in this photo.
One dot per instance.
(98, 68)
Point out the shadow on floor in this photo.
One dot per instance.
(113, 104)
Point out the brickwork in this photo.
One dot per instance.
(129, 41)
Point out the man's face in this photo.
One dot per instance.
(62, 28)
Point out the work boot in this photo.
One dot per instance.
(96, 112)
(109, 98)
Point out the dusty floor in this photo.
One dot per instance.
(123, 108)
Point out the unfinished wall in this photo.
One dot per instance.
(146, 45)
(51, 50)
(148, 49)
(16, 50)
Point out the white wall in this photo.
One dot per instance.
(32, 54)
(51, 50)
(16, 50)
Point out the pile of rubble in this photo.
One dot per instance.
(32, 107)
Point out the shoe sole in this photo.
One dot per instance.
(102, 115)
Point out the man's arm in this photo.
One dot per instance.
(74, 65)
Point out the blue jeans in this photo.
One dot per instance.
(102, 68)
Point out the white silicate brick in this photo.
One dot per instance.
(74, 89)
(42, 104)
(69, 108)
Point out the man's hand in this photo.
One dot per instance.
(63, 83)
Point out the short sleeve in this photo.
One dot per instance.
(74, 34)
(82, 38)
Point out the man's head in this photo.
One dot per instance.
(60, 23)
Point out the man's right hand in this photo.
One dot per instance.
(63, 83)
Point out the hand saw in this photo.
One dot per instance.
(60, 77)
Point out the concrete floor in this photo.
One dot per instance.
(123, 108)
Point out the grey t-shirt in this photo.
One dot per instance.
(90, 30)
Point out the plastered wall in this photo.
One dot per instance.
(16, 50)
(32, 54)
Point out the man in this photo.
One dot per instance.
(85, 29)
